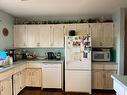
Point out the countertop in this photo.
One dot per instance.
(104, 63)
(122, 79)
(21, 62)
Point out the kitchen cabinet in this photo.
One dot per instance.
(102, 75)
(69, 27)
(19, 81)
(52, 75)
(82, 29)
(102, 34)
(45, 36)
(120, 89)
(33, 35)
(20, 36)
(34, 77)
(57, 36)
(6, 86)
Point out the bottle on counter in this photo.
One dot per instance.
(10, 60)
(58, 55)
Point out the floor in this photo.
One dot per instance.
(38, 91)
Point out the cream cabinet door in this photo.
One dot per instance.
(108, 35)
(28, 77)
(16, 83)
(98, 79)
(96, 34)
(69, 27)
(23, 78)
(34, 77)
(108, 80)
(20, 36)
(45, 34)
(6, 86)
(33, 35)
(82, 29)
(19, 81)
(58, 36)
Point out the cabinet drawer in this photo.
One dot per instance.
(97, 66)
(34, 65)
(110, 67)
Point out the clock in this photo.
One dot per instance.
(5, 32)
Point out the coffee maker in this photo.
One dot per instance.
(11, 53)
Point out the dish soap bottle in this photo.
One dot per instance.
(58, 56)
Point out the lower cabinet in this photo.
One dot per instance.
(19, 81)
(101, 76)
(34, 77)
(102, 79)
(6, 86)
(120, 89)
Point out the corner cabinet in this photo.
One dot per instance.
(19, 81)
(6, 86)
(101, 75)
(20, 36)
(102, 34)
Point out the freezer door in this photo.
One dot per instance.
(79, 65)
(78, 81)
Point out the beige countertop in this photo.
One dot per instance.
(17, 66)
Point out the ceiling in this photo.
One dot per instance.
(26, 8)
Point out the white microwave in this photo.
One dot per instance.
(101, 56)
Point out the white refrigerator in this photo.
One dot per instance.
(78, 64)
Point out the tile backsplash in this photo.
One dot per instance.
(43, 51)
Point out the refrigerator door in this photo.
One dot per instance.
(77, 81)
(75, 55)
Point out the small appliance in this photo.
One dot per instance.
(11, 53)
(51, 55)
(102, 55)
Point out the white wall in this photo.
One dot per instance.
(6, 21)
(119, 24)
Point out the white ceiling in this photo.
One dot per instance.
(27, 8)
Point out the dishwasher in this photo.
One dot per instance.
(52, 75)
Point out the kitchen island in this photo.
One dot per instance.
(120, 84)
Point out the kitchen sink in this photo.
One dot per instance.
(4, 67)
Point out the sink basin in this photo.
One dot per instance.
(4, 66)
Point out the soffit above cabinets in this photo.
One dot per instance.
(26, 8)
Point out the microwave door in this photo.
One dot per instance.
(101, 56)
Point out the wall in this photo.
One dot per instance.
(42, 52)
(7, 21)
(119, 18)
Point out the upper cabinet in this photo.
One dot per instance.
(82, 29)
(53, 35)
(44, 36)
(39, 36)
(20, 36)
(57, 35)
(33, 35)
(102, 34)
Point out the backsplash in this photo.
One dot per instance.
(42, 51)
